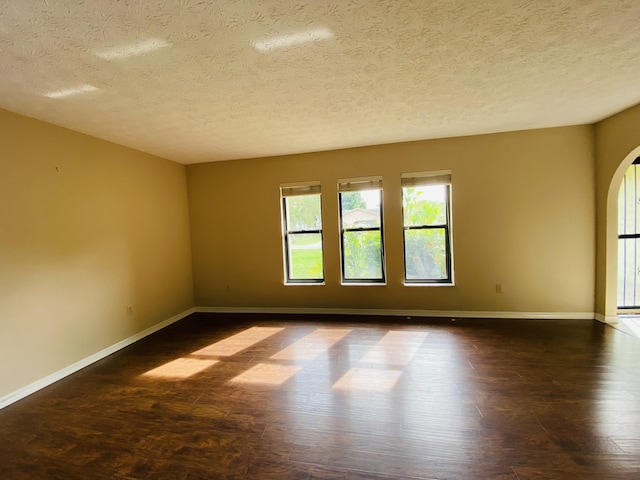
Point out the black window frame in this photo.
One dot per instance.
(286, 233)
(362, 281)
(622, 250)
(447, 235)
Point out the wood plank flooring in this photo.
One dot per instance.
(351, 398)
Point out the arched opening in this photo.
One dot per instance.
(628, 285)
(611, 247)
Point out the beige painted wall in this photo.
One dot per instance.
(523, 216)
(86, 228)
(617, 145)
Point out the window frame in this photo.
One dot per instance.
(623, 204)
(313, 188)
(360, 186)
(425, 179)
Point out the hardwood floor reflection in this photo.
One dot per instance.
(312, 397)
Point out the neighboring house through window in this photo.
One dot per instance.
(361, 238)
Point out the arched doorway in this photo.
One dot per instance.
(628, 285)
(607, 289)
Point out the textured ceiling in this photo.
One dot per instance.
(376, 71)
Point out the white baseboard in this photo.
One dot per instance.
(403, 313)
(609, 319)
(60, 374)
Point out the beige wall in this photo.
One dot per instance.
(617, 142)
(86, 229)
(523, 216)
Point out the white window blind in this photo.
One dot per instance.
(296, 190)
(360, 184)
(427, 178)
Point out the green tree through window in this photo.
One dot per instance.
(361, 240)
(426, 218)
(302, 234)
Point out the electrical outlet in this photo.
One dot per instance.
(129, 310)
(499, 288)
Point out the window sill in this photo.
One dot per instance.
(363, 284)
(426, 284)
(303, 284)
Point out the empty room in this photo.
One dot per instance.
(319, 240)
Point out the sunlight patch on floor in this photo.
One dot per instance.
(630, 325)
(238, 342)
(368, 380)
(180, 369)
(313, 345)
(266, 374)
(395, 348)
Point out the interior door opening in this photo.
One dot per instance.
(629, 240)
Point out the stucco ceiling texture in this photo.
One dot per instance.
(198, 81)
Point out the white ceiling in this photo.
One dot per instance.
(378, 71)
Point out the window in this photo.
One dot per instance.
(302, 233)
(426, 212)
(629, 239)
(361, 242)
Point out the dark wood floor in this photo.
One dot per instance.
(275, 397)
